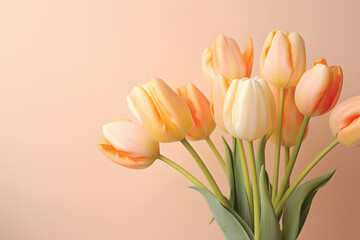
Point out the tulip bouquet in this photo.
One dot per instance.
(275, 107)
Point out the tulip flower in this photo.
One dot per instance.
(224, 57)
(345, 121)
(164, 114)
(128, 144)
(292, 118)
(203, 123)
(319, 89)
(218, 92)
(283, 59)
(248, 108)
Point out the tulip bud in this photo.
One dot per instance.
(203, 124)
(218, 92)
(319, 89)
(292, 118)
(248, 108)
(283, 59)
(224, 57)
(128, 144)
(345, 121)
(164, 114)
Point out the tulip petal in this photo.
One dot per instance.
(344, 121)
(227, 58)
(199, 106)
(248, 56)
(313, 90)
(265, 50)
(206, 64)
(298, 57)
(121, 158)
(277, 68)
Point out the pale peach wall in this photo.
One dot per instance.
(65, 69)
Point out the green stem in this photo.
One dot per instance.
(292, 160)
(216, 152)
(287, 157)
(260, 155)
(206, 172)
(181, 170)
(246, 176)
(255, 186)
(278, 145)
(302, 176)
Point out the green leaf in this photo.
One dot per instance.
(269, 225)
(298, 205)
(232, 228)
(241, 205)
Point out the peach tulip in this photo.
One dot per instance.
(319, 89)
(128, 144)
(292, 118)
(164, 114)
(218, 92)
(283, 59)
(345, 121)
(203, 123)
(248, 108)
(224, 57)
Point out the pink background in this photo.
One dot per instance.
(65, 69)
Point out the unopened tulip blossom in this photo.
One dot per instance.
(128, 144)
(164, 114)
(224, 57)
(292, 118)
(248, 108)
(203, 123)
(345, 121)
(218, 92)
(283, 59)
(319, 89)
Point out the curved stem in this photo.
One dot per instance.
(302, 176)
(206, 172)
(216, 152)
(181, 170)
(246, 176)
(255, 186)
(278, 144)
(292, 160)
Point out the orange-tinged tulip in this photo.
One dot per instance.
(203, 123)
(345, 121)
(283, 59)
(248, 108)
(292, 118)
(164, 114)
(128, 144)
(218, 92)
(319, 89)
(224, 57)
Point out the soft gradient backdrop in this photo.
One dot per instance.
(65, 69)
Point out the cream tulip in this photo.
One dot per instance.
(128, 144)
(319, 89)
(224, 57)
(164, 114)
(283, 59)
(203, 123)
(248, 108)
(345, 121)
